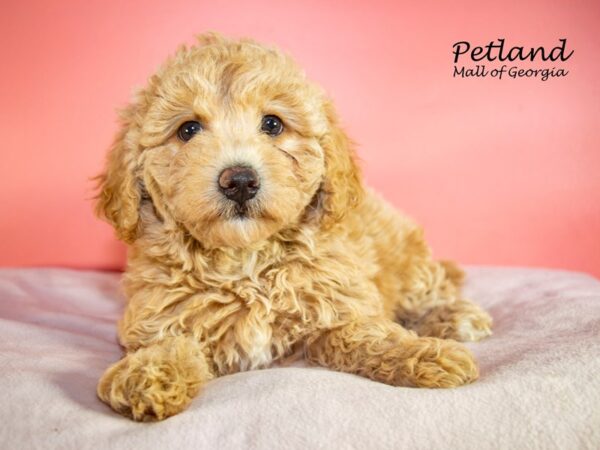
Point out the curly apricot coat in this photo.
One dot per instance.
(315, 264)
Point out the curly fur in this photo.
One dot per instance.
(320, 265)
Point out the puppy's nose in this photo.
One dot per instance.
(239, 183)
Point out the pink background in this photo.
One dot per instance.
(498, 172)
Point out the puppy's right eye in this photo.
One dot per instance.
(188, 129)
(271, 125)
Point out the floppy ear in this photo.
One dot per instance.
(342, 188)
(120, 191)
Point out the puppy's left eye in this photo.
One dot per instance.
(271, 125)
(188, 129)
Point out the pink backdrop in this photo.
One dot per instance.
(498, 172)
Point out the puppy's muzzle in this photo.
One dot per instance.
(239, 184)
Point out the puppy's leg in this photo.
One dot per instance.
(461, 320)
(434, 306)
(156, 382)
(454, 273)
(383, 351)
(419, 292)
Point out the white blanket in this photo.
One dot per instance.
(539, 386)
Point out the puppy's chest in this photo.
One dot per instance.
(255, 311)
(251, 321)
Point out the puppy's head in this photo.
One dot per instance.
(230, 142)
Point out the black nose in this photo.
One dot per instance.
(239, 184)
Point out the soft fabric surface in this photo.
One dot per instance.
(539, 386)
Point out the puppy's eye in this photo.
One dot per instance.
(188, 130)
(271, 125)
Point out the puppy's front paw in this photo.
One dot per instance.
(153, 383)
(440, 364)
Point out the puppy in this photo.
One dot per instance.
(252, 237)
